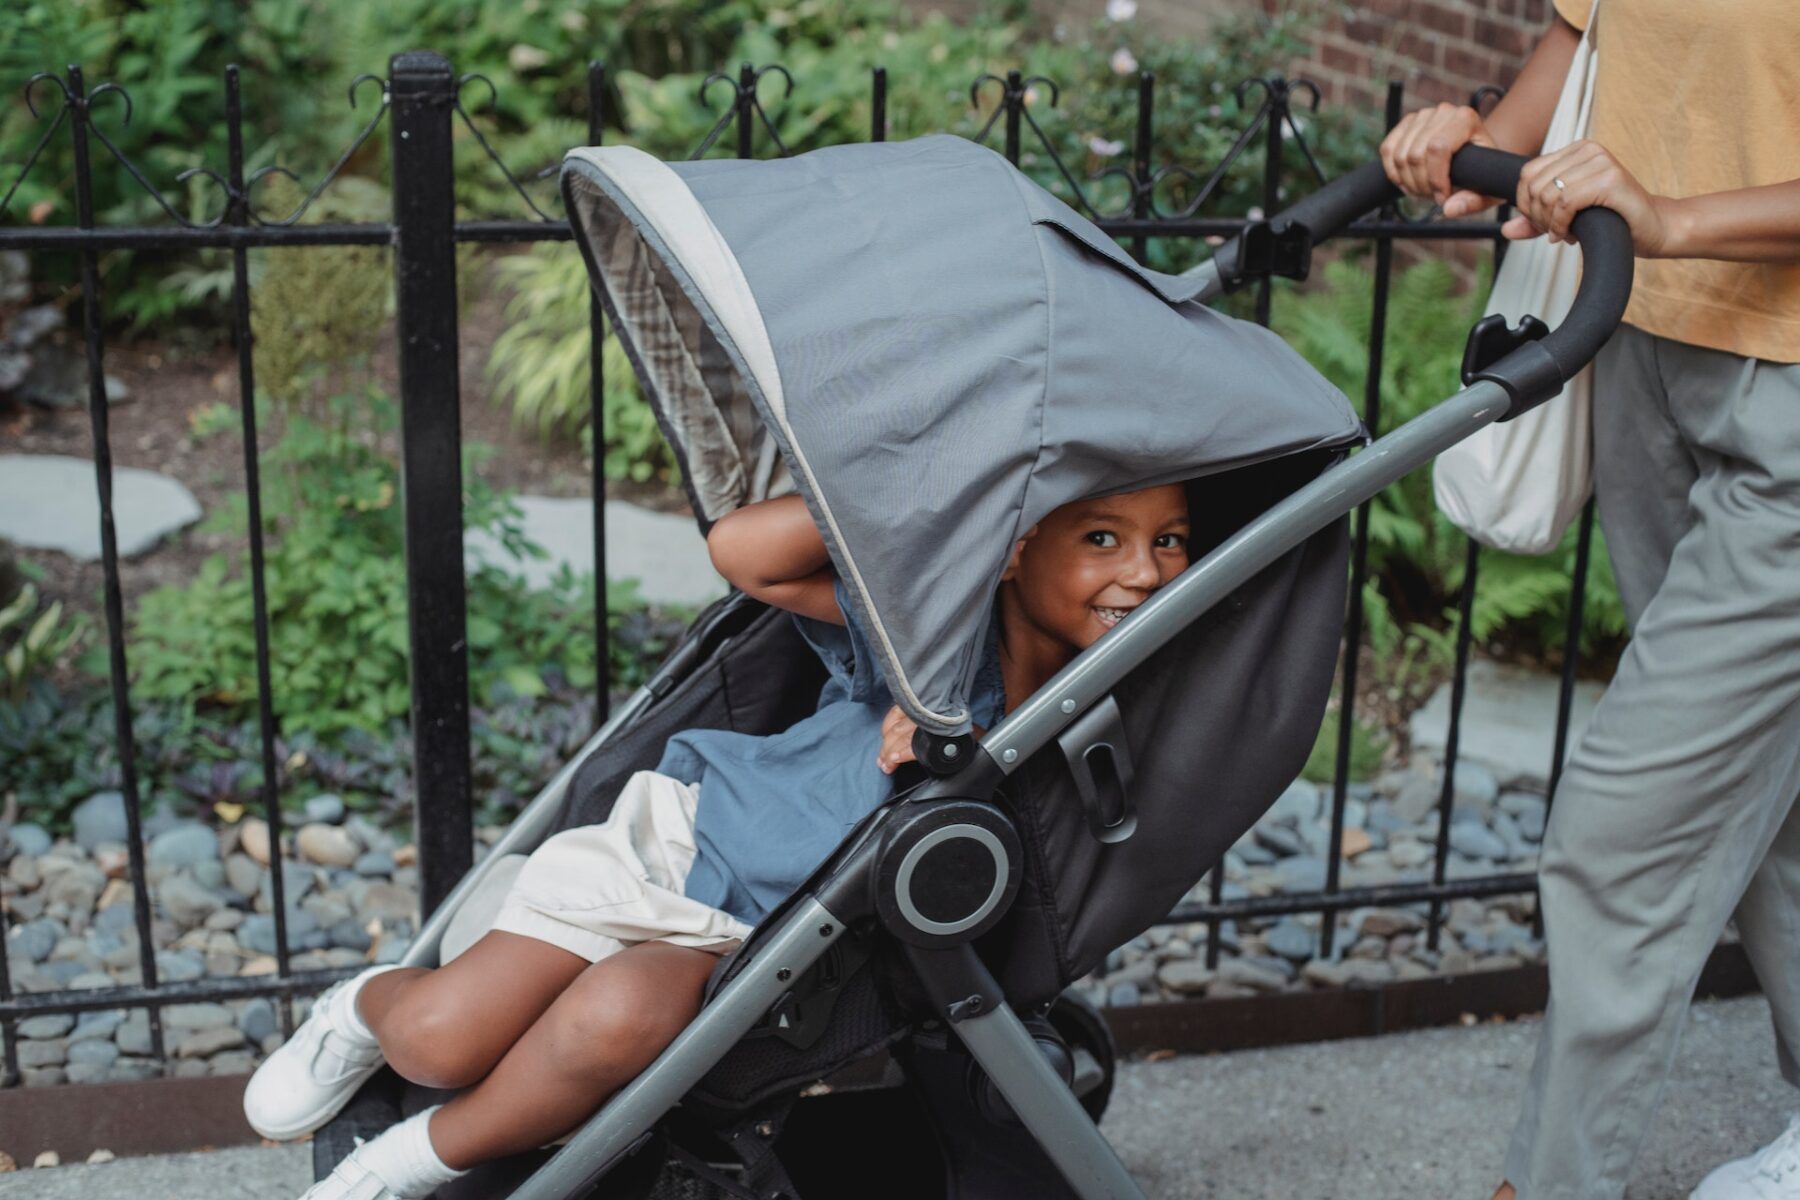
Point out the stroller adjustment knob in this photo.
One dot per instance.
(946, 872)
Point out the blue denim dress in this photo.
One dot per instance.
(772, 808)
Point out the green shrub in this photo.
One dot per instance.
(539, 365)
(336, 585)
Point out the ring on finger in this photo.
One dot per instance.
(1560, 185)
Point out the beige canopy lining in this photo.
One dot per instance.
(729, 456)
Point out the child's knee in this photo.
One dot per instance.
(620, 1024)
(431, 1043)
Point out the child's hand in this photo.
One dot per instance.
(896, 740)
(897, 731)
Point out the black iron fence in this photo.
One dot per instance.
(420, 102)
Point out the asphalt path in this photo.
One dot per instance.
(1410, 1115)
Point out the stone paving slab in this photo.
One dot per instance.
(50, 502)
(1508, 719)
(664, 552)
(1417, 1115)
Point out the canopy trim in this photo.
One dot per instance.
(694, 244)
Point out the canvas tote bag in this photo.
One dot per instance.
(1516, 485)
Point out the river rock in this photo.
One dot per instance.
(243, 875)
(326, 809)
(1300, 874)
(387, 902)
(1185, 977)
(375, 863)
(1409, 854)
(94, 1053)
(1256, 976)
(327, 844)
(1477, 841)
(258, 1019)
(209, 1041)
(253, 839)
(1299, 803)
(101, 1025)
(31, 840)
(185, 845)
(132, 1070)
(196, 1015)
(1292, 940)
(186, 902)
(78, 887)
(35, 939)
(100, 819)
(1386, 922)
(48, 1025)
(44, 1052)
(23, 870)
(179, 966)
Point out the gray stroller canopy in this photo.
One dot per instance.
(935, 352)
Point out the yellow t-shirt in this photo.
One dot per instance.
(1697, 96)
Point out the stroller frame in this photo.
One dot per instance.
(870, 877)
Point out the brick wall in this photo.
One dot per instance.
(1441, 49)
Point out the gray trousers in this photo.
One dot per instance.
(1677, 809)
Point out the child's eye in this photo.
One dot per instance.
(1103, 538)
(1171, 541)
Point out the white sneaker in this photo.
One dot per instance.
(351, 1180)
(1772, 1173)
(313, 1074)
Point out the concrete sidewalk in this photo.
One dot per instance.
(1413, 1115)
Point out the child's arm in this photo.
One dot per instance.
(772, 550)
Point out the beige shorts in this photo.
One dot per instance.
(597, 889)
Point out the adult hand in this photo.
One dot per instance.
(1417, 155)
(1554, 187)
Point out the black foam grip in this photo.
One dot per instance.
(1605, 240)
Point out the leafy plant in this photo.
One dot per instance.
(336, 585)
(543, 356)
(32, 643)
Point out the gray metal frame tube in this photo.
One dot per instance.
(1046, 1105)
(1333, 494)
(805, 933)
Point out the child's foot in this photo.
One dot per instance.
(314, 1073)
(400, 1164)
(1772, 1173)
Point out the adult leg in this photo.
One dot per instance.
(596, 1037)
(1679, 788)
(446, 1027)
(1768, 921)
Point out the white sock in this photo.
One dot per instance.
(403, 1158)
(344, 1015)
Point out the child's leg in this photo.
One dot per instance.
(447, 1027)
(596, 1036)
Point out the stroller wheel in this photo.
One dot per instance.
(1090, 1041)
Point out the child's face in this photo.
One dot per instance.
(1091, 562)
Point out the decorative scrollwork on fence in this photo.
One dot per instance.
(463, 81)
(362, 136)
(745, 108)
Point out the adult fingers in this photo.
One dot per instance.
(1466, 203)
(1519, 229)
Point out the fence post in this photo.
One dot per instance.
(423, 89)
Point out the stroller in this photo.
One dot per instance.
(899, 1026)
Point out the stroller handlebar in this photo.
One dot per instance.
(1536, 370)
